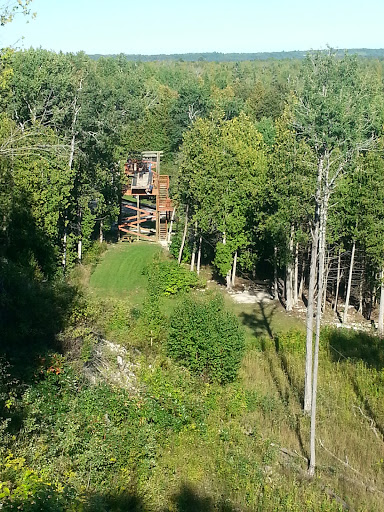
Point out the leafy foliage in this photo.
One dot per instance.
(206, 338)
(169, 278)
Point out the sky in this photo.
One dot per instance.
(171, 26)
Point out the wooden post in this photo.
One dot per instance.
(138, 216)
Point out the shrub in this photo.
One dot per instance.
(169, 278)
(206, 338)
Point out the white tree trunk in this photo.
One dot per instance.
(171, 226)
(311, 294)
(184, 235)
(326, 274)
(322, 235)
(234, 269)
(309, 323)
(101, 238)
(228, 276)
(193, 256)
(361, 292)
(337, 281)
(289, 273)
(64, 261)
(302, 278)
(296, 277)
(199, 255)
(79, 249)
(380, 325)
(345, 313)
(275, 283)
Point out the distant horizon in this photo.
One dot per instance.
(207, 52)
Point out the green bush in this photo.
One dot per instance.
(175, 248)
(94, 253)
(169, 278)
(206, 338)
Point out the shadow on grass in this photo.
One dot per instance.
(188, 499)
(358, 346)
(127, 501)
(354, 345)
(260, 321)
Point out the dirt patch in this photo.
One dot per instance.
(251, 293)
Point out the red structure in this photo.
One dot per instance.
(149, 221)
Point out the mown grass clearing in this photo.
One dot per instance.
(120, 270)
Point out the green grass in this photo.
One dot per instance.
(143, 200)
(120, 271)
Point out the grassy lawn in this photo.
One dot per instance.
(120, 271)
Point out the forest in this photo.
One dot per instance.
(239, 57)
(129, 379)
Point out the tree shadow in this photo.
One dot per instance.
(260, 320)
(127, 501)
(285, 392)
(189, 499)
(356, 345)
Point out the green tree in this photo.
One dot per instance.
(222, 173)
(335, 112)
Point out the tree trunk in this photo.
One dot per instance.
(361, 290)
(322, 234)
(380, 325)
(171, 226)
(275, 283)
(327, 269)
(70, 163)
(79, 249)
(193, 257)
(228, 276)
(199, 255)
(309, 323)
(337, 281)
(289, 273)
(101, 238)
(80, 241)
(302, 278)
(234, 269)
(296, 276)
(311, 293)
(184, 235)
(345, 313)
(64, 261)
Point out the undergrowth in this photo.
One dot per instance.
(181, 441)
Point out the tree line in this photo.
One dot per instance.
(241, 142)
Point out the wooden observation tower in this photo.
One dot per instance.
(147, 219)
